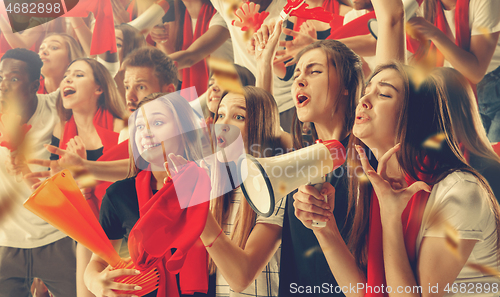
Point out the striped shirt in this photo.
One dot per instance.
(266, 284)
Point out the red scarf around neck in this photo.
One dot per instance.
(462, 29)
(411, 218)
(196, 75)
(103, 124)
(164, 225)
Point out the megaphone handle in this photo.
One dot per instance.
(317, 224)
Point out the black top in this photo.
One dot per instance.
(119, 213)
(489, 170)
(302, 261)
(92, 155)
(320, 35)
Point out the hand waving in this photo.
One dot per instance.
(249, 17)
(393, 194)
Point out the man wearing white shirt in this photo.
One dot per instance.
(29, 246)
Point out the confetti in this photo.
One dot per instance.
(484, 269)
(226, 75)
(435, 141)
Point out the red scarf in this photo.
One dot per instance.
(117, 152)
(103, 38)
(462, 29)
(164, 225)
(196, 75)
(42, 89)
(103, 123)
(496, 148)
(332, 6)
(411, 218)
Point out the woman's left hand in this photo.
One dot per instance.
(393, 194)
(177, 162)
(75, 145)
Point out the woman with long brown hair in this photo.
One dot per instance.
(243, 246)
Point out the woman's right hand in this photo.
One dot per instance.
(310, 205)
(159, 33)
(102, 283)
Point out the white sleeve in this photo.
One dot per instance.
(277, 217)
(217, 20)
(484, 16)
(113, 67)
(463, 205)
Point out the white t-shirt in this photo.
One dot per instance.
(460, 201)
(225, 51)
(267, 283)
(19, 227)
(484, 16)
(281, 89)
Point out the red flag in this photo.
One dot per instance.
(103, 39)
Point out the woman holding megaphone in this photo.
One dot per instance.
(420, 197)
(243, 246)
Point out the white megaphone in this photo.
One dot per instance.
(267, 180)
(410, 7)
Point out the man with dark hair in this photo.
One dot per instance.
(29, 247)
(148, 70)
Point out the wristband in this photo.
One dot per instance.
(210, 245)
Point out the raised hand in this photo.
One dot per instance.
(68, 160)
(249, 17)
(76, 146)
(393, 194)
(266, 40)
(310, 205)
(293, 47)
(159, 33)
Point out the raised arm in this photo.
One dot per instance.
(391, 33)
(15, 40)
(473, 63)
(201, 47)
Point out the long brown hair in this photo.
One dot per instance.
(110, 98)
(262, 127)
(348, 66)
(465, 117)
(423, 113)
(132, 39)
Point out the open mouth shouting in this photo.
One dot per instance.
(68, 91)
(302, 99)
(131, 106)
(361, 118)
(221, 141)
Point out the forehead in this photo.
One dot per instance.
(390, 76)
(119, 34)
(316, 55)
(81, 65)
(156, 107)
(13, 65)
(54, 38)
(233, 100)
(144, 74)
